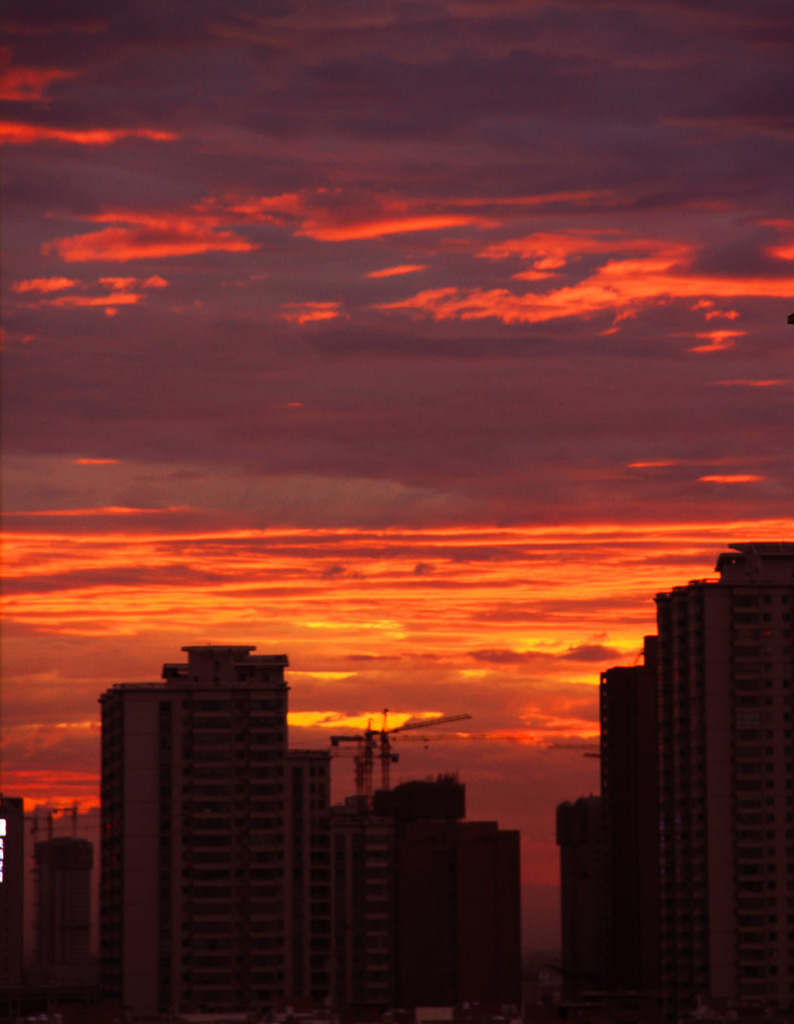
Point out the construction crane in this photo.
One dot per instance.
(372, 739)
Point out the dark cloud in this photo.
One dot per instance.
(592, 652)
(504, 656)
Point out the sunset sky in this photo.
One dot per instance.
(421, 340)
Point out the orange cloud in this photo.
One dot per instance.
(44, 284)
(308, 312)
(144, 583)
(403, 268)
(147, 236)
(718, 341)
(783, 252)
(551, 589)
(116, 298)
(95, 462)
(735, 478)
(20, 133)
(22, 84)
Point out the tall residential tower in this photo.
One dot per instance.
(215, 845)
(727, 783)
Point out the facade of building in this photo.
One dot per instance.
(629, 804)
(580, 836)
(307, 880)
(63, 909)
(458, 918)
(363, 906)
(726, 701)
(426, 906)
(12, 868)
(215, 843)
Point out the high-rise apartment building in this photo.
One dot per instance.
(215, 844)
(580, 837)
(63, 909)
(364, 938)
(726, 743)
(458, 921)
(629, 805)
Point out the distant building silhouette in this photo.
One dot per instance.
(215, 846)
(629, 803)
(726, 701)
(12, 868)
(63, 909)
(580, 836)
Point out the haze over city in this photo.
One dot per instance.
(423, 342)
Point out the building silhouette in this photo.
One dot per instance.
(230, 885)
(580, 836)
(629, 804)
(726, 790)
(12, 867)
(63, 909)
(215, 846)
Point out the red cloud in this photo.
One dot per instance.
(752, 383)
(122, 291)
(335, 216)
(402, 223)
(320, 214)
(20, 133)
(619, 286)
(29, 84)
(43, 284)
(117, 298)
(403, 268)
(147, 236)
(306, 312)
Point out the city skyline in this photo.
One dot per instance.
(424, 343)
